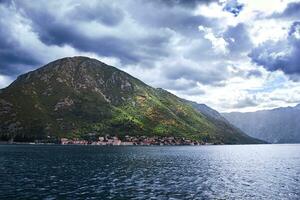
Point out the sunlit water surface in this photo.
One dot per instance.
(186, 172)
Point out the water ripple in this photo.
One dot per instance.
(205, 172)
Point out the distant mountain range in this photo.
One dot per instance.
(280, 125)
(74, 97)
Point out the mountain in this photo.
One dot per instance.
(218, 120)
(74, 97)
(280, 125)
(207, 111)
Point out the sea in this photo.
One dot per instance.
(270, 171)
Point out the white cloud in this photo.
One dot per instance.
(265, 7)
(263, 30)
(218, 43)
(5, 81)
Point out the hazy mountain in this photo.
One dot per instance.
(280, 125)
(217, 119)
(73, 97)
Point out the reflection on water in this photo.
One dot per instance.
(200, 172)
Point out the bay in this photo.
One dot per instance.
(150, 172)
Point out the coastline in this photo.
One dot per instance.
(58, 144)
(109, 140)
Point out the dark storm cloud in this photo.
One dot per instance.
(238, 38)
(60, 28)
(188, 3)
(295, 29)
(71, 24)
(234, 7)
(135, 32)
(158, 15)
(12, 56)
(292, 10)
(14, 61)
(6, 2)
(254, 73)
(245, 102)
(282, 55)
(53, 31)
(104, 14)
(209, 77)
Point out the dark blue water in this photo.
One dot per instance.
(202, 172)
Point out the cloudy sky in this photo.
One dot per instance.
(236, 55)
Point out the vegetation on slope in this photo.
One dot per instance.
(73, 97)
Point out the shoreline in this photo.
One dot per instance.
(143, 145)
(109, 145)
(109, 140)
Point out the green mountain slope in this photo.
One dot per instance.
(231, 133)
(73, 97)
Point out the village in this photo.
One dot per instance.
(108, 140)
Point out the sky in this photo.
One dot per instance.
(235, 55)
